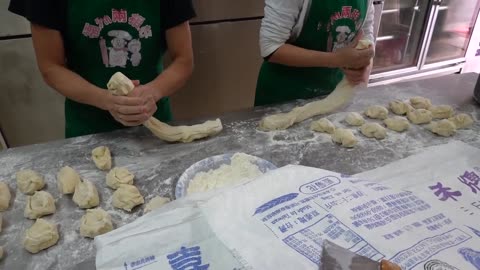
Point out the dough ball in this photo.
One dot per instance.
(397, 123)
(374, 130)
(344, 137)
(420, 116)
(377, 112)
(29, 181)
(155, 203)
(39, 205)
(442, 111)
(420, 103)
(126, 197)
(95, 222)
(323, 125)
(118, 176)
(462, 120)
(355, 119)
(120, 85)
(444, 128)
(5, 196)
(86, 195)
(67, 179)
(399, 107)
(102, 158)
(40, 236)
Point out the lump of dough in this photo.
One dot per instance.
(86, 195)
(5, 196)
(420, 103)
(29, 181)
(323, 125)
(355, 119)
(461, 121)
(67, 179)
(120, 85)
(155, 203)
(95, 222)
(39, 205)
(377, 112)
(102, 158)
(442, 111)
(397, 123)
(344, 137)
(40, 236)
(374, 130)
(443, 128)
(118, 176)
(126, 197)
(399, 107)
(420, 116)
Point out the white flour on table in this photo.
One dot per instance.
(240, 170)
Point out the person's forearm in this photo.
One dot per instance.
(294, 56)
(172, 78)
(74, 87)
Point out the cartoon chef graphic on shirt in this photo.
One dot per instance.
(118, 53)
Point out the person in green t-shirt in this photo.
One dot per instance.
(80, 44)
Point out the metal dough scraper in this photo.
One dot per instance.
(335, 257)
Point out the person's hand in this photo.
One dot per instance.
(353, 58)
(357, 76)
(130, 111)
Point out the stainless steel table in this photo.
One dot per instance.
(158, 165)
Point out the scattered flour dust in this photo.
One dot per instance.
(240, 170)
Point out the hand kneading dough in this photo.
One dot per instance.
(397, 123)
(95, 222)
(355, 119)
(102, 158)
(377, 112)
(420, 116)
(442, 111)
(342, 94)
(323, 125)
(5, 197)
(443, 128)
(399, 107)
(119, 84)
(374, 130)
(127, 197)
(118, 176)
(344, 137)
(29, 181)
(39, 205)
(40, 236)
(462, 121)
(155, 203)
(420, 103)
(67, 179)
(86, 195)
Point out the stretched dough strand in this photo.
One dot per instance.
(119, 84)
(342, 94)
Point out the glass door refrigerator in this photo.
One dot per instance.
(422, 37)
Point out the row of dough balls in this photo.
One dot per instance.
(419, 111)
(44, 234)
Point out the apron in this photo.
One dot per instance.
(329, 25)
(107, 36)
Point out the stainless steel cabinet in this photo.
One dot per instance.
(30, 112)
